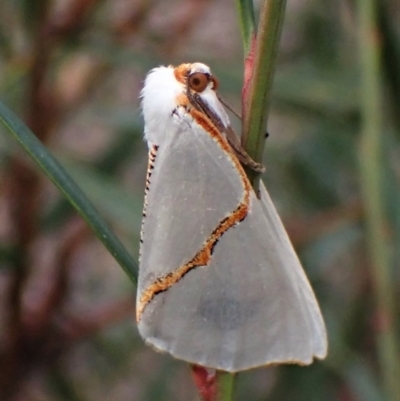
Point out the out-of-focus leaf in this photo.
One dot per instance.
(362, 381)
(391, 186)
(50, 166)
(313, 383)
(121, 206)
(348, 365)
(127, 143)
(320, 166)
(322, 252)
(332, 94)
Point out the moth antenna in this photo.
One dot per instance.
(229, 107)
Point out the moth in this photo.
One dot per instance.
(220, 284)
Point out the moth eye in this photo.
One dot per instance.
(198, 81)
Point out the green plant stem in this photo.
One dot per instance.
(247, 23)
(390, 58)
(50, 166)
(258, 103)
(225, 383)
(371, 182)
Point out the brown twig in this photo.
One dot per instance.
(83, 325)
(76, 233)
(133, 19)
(24, 201)
(71, 20)
(193, 10)
(24, 194)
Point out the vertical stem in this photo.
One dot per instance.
(245, 11)
(370, 172)
(257, 105)
(255, 110)
(225, 383)
(213, 385)
(390, 58)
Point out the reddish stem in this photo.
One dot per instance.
(248, 73)
(205, 381)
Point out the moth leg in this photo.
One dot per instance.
(230, 134)
(240, 152)
(231, 109)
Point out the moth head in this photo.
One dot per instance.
(200, 85)
(196, 77)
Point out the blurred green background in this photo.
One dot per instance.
(73, 70)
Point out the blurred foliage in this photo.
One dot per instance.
(73, 70)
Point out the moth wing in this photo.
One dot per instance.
(294, 267)
(252, 305)
(186, 198)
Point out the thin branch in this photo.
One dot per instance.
(390, 58)
(205, 381)
(50, 166)
(247, 22)
(260, 60)
(225, 384)
(371, 158)
(257, 104)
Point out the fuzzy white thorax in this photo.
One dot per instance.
(159, 100)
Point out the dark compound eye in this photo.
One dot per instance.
(199, 81)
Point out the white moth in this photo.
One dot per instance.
(220, 284)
